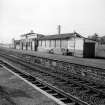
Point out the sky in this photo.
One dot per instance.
(42, 16)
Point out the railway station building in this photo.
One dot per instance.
(28, 41)
(66, 44)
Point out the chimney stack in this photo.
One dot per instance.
(59, 29)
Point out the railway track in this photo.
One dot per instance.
(61, 95)
(85, 92)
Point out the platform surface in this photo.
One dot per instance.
(93, 62)
(14, 91)
(98, 63)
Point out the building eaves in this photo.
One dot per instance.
(61, 36)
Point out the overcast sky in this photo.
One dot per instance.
(20, 16)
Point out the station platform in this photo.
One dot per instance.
(15, 91)
(93, 62)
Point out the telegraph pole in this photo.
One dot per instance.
(74, 41)
(59, 32)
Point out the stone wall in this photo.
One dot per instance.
(81, 71)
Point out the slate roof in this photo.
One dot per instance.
(17, 41)
(31, 34)
(61, 36)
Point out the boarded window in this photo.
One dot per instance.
(43, 43)
(57, 43)
(52, 43)
(64, 43)
(40, 44)
(47, 43)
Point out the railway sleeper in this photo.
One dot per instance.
(76, 79)
(46, 88)
(101, 87)
(76, 86)
(30, 78)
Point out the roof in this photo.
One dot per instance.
(17, 41)
(90, 40)
(31, 34)
(61, 36)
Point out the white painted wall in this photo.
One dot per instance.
(52, 44)
(100, 50)
(17, 46)
(66, 44)
(24, 47)
(29, 48)
(33, 45)
(57, 43)
(45, 47)
(79, 47)
(39, 43)
(71, 44)
(75, 45)
(43, 43)
(79, 43)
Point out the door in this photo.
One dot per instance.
(89, 50)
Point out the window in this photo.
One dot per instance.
(49, 43)
(45, 43)
(55, 43)
(60, 43)
(64, 44)
(52, 43)
(40, 43)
